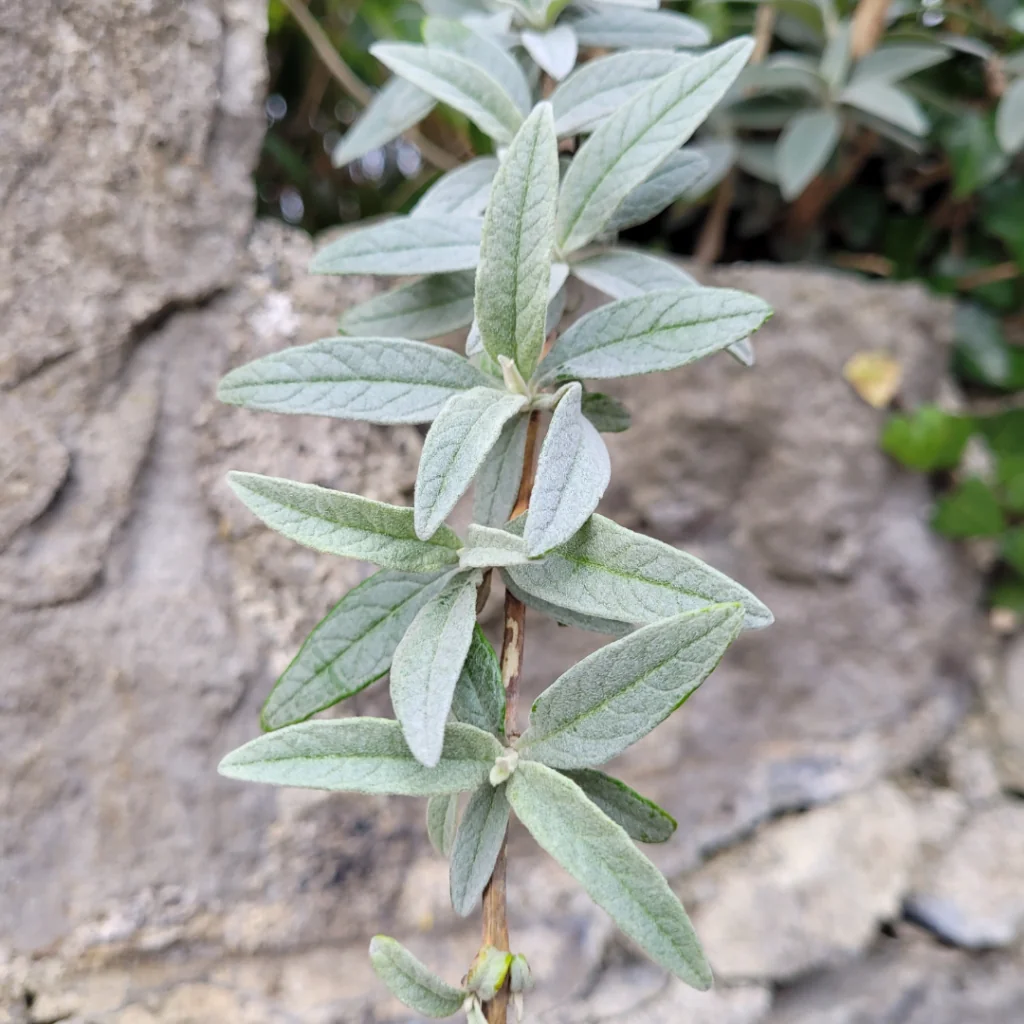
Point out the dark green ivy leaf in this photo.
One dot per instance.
(972, 510)
(927, 439)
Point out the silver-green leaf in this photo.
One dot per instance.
(404, 245)
(462, 192)
(427, 663)
(572, 473)
(427, 308)
(673, 178)
(656, 331)
(567, 616)
(618, 877)
(637, 137)
(618, 694)
(378, 380)
(554, 49)
(411, 982)
(643, 820)
(396, 108)
(620, 29)
(607, 414)
(610, 572)
(887, 102)
(497, 482)
(363, 755)
(465, 430)
(487, 546)
(805, 146)
(457, 81)
(896, 61)
(477, 844)
(1010, 118)
(515, 252)
(350, 647)
(442, 821)
(625, 273)
(479, 696)
(345, 524)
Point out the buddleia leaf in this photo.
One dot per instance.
(567, 616)
(804, 148)
(428, 308)
(602, 858)
(637, 137)
(411, 982)
(479, 696)
(350, 647)
(465, 430)
(607, 414)
(395, 109)
(515, 252)
(619, 29)
(643, 820)
(442, 821)
(656, 331)
(624, 273)
(462, 192)
(403, 245)
(378, 380)
(896, 61)
(572, 473)
(427, 664)
(363, 755)
(477, 845)
(497, 482)
(345, 524)
(671, 179)
(1010, 118)
(885, 101)
(487, 546)
(554, 50)
(618, 694)
(610, 572)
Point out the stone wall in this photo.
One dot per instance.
(844, 785)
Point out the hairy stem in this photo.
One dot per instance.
(495, 903)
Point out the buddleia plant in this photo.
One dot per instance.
(457, 727)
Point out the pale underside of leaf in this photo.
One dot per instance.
(573, 472)
(412, 982)
(487, 547)
(428, 308)
(618, 694)
(395, 109)
(613, 573)
(568, 616)
(554, 50)
(625, 273)
(479, 696)
(345, 524)
(618, 877)
(497, 482)
(404, 245)
(442, 821)
(350, 647)
(465, 430)
(477, 844)
(462, 192)
(672, 178)
(643, 820)
(656, 331)
(363, 755)
(427, 664)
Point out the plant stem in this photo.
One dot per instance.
(495, 902)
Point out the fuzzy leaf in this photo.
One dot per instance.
(363, 755)
(465, 430)
(607, 414)
(642, 819)
(350, 647)
(619, 29)
(742, 352)
(625, 273)
(674, 177)
(442, 821)
(379, 380)
(572, 473)
(618, 694)
(404, 245)
(345, 524)
(1010, 118)
(602, 858)
(656, 331)
(600, 86)
(637, 137)
(515, 253)
(487, 546)
(554, 50)
(899, 60)
(396, 108)
(497, 482)
(887, 102)
(612, 573)
(411, 982)
(427, 308)
(805, 147)
(457, 81)
(484, 52)
(477, 844)
(462, 192)
(568, 616)
(427, 664)
(479, 696)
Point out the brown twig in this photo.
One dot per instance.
(867, 26)
(712, 233)
(988, 275)
(353, 85)
(495, 902)
(764, 27)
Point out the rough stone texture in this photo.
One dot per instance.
(144, 613)
(1004, 698)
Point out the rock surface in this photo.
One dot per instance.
(144, 614)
